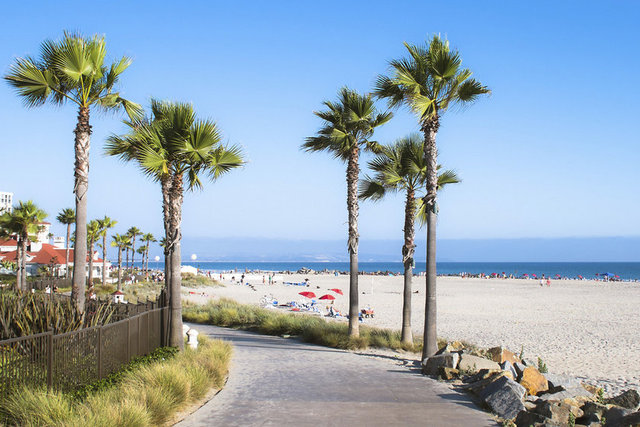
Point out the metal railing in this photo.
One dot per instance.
(74, 359)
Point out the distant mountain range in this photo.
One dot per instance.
(587, 249)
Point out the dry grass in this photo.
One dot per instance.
(146, 397)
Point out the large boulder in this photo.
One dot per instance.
(559, 382)
(474, 363)
(533, 381)
(499, 355)
(448, 374)
(519, 367)
(451, 347)
(592, 413)
(431, 365)
(558, 412)
(504, 397)
(629, 399)
(615, 414)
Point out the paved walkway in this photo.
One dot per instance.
(276, 381)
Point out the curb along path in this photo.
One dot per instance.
(277, 381)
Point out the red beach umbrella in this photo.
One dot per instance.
(307, 294)
(337, 291)
(327, 296)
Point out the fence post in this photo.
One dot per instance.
(128, 339)
(50, 359)
(100, 352)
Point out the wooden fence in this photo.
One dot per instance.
(73, 359)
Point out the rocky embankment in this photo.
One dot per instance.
(521, 395)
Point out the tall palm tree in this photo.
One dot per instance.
(24, 222)
(133, 232)
(428, 82)
(401, 167)
(120, 241)
(348, 126)
(73, 69)
(105, 224)
(175, 148)
(148, 238)
(67, 217)
(94, 232)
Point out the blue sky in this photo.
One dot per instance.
(551, 153)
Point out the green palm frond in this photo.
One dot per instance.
(429, 80)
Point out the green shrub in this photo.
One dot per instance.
(146, 396)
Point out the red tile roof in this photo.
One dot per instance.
(45, 255)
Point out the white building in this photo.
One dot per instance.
(6, 202)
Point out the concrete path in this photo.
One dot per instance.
(276, 381)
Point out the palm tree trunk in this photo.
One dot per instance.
(120, 268)
(82, 144)
(175, 303)
(104, 258)
(90, 275)
(66, 258)
(430, 129)
(23, 255)
(19, 264)
(352, 207)
(133, 252)
(407, 258)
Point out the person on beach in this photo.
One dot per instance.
(548, 282)
(541, 282)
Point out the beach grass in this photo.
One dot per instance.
(308, 328)
(147, 396)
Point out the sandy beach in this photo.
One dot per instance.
(584, 328)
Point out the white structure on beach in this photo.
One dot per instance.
(6, 202)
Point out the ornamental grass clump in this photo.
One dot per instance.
(147, 396)
(309, 328)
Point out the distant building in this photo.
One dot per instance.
(44, 254)
(6, 202)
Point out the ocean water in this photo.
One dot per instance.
(589, 270)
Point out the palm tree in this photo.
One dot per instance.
(67, 217)
(133, 232)
(73, 69)
(24, 222)
(428, 82)
(105, 224)
(348, 126)
(148, 238)
(142, 250)
(176, 149)
(94, 232)
(401, 167)
(120, 241)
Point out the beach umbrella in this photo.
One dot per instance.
(327, 296)
(307, 294)
(337, 291)
(579, 276)
(557, 275)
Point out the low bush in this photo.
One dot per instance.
(145, 396)
(196, 281)
(309, 328)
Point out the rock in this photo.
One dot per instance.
(451, 347)
(477, 386)
(565, 394)
(533, 381)
(475, 363)
(504, 397)
(631, 419)
(519, 367)
(482, 374)
(447, 373)
(527, 419)
(499, 355)
(508, 367)
(590, 388)
(530, 406)
(558, 412)
(529, 362)
(593, 408)
(615, 414)
(431, 365)
(558, 382)
(629, 399)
